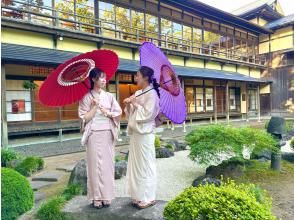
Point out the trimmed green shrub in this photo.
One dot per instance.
(209, 143)
(30, 165)
(17, 195)
(228, 201)
(157, 142)
(51, 210)
(7, 155)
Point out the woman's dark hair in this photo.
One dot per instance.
(148, 72)
(95, 73)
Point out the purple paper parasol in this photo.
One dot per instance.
(172, 98)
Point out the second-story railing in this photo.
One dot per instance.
(47, 16)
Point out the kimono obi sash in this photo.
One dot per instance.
(100, 122)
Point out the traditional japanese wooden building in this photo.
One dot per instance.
(222, 59)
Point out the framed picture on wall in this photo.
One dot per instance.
(18, 106)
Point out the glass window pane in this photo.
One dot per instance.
(190, 99)
(199, 100)
(177, 32)
(123, 22)
(232, 99)
(209, 99)
(65, 12)
(151, 26)
(166, 27)
(106, 16)
(187, 34)
(14, 13)
(85, 15)
(137, 22)
(41, 7)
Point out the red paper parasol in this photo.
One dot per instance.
(68, 83)
(172, 99)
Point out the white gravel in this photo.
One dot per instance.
(174, 174)
(286, 148)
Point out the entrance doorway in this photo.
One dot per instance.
(221, 100)
(125, 91)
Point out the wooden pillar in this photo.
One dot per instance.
(214, 103)
(227, 102)
(247, 103)
(117, 86)
(258, 102)
(118, 99)
(4, 130)
(183, 87)
(96, 16)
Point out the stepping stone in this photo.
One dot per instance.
(66, 168)
(36, 185)
(48, 176)
(79, 208)
(39, 196)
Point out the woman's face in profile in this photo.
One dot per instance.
(141, 81)
(100, 82)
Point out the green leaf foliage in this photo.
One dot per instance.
(8, 155)
(30, 165)
(229, 201)
(17, 195)
(51, 209)
(157, 142)
(209, 143)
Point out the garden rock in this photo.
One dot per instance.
(282, 143)
(79, 175)
(120, 169)
(13, 163)
(262, 159)
(288, 156)
(206, 179)
(79, 208)
(164, 153)
(266, 154)
(226, 169)
(177, 145)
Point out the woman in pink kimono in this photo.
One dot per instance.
(142, 112)
(101, 114)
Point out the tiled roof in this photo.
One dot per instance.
(252, 6)
(35, 55)
(281, 22)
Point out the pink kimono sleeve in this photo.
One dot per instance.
(84, 106)
(115, 110)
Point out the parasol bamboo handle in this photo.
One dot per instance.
(152, 88)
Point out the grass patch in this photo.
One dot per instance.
(260, 172)
(51, 209)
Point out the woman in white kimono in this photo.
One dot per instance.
(101, 113)
(142, 112)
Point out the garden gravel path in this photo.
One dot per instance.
(174, 174)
